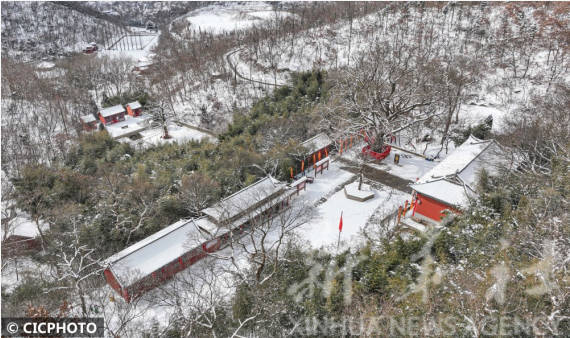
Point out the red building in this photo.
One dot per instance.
(112, 114)
(449, 186)
(90, 48)
(156, 259)
(89, 122)
(21, 236)
(317, 147)
(134, 109)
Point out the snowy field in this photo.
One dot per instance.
(471, 115)
(226, 17)
(129, 126)
(136, 47)
(323, 230)
(178, 133)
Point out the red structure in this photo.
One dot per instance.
(112, 114)
(433, 200)
(134, 109)
(378, 156)
(450, 186)
(16, 245)
(150, 262)
(89, 122)
(21, 236)
(318, 147)
(156, 259)
(90, 48)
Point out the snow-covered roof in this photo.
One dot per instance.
(317, 142)
(22, 226)
(112, 110)
(456, 162)
(131, 125)
(445, 191)
(134, 105)
(88, 118)
(45, 65)
(157, 250)
(299, 181)
(244, 200)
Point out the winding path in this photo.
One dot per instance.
(234, 69)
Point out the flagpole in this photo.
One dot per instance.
(339, 231)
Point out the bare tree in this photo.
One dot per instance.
(76, 264)
(163, 112)
(387, 91)
(198, 191)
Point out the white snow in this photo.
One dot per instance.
(136, 47)
(112, 110)
(244, 199)
(129, 126)
(445, 191)
(22, 226)
(45, 65)
(227, 17)
(178, 133)
(134, 105)
(88, 118)
(157, 250)
(472, 115)
(410, 167)
(323, 229)
(316, 143)
(364, 193)
(458, 160)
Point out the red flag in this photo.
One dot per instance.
(340, 224)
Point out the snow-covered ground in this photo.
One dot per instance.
(410, 167)
(178, 133)
(137, 47)
(129, 126)
(225, 17)
(472, 115)
(15, 270)
(323, 229)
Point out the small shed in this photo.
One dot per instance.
(90, 48)
(151, 26)
(112, 114)
(134, 109)
(21, 236)
(317, 147)
(451, 184)
(89, 122)
(157, 258)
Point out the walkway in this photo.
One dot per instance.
(378, 175)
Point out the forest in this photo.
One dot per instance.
(429, 74)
